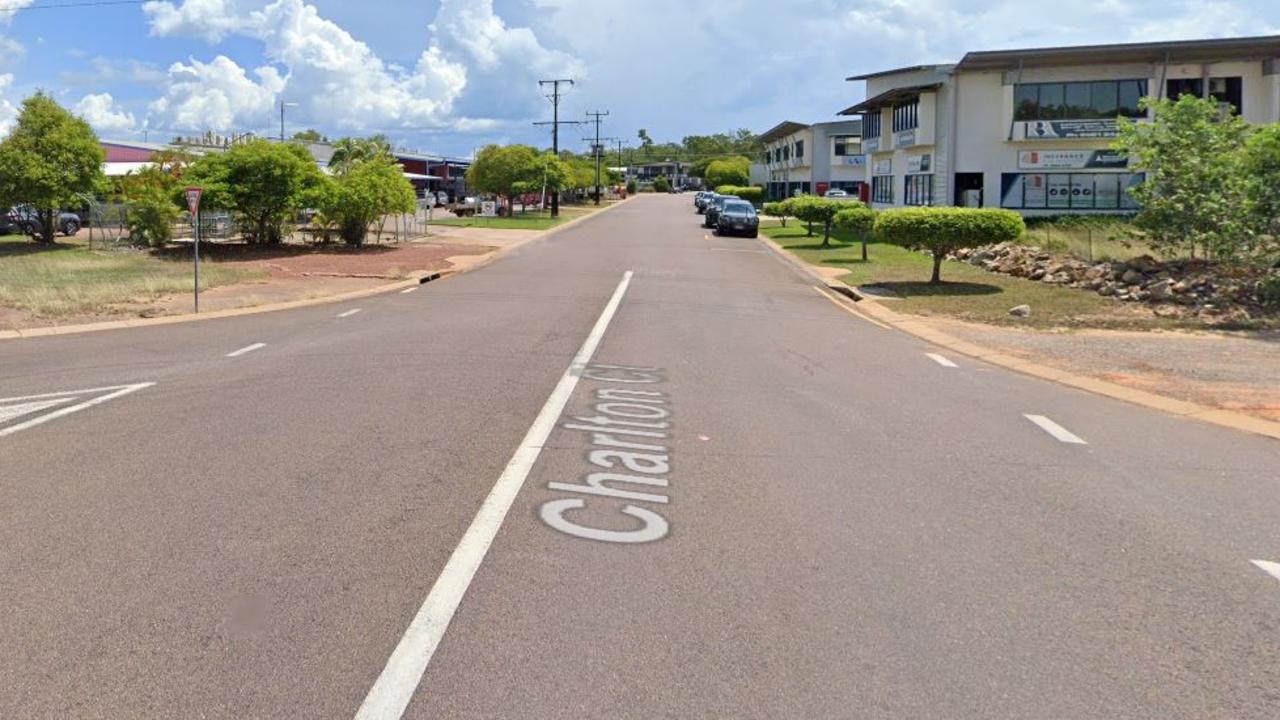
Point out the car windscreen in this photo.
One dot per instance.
(739, 208)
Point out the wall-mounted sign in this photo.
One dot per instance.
(919, 163)
(906, 138)
(1070, 159)
(882, 167)
(1069, 190)
(1054, 129)
(858, 160)
(871, 144)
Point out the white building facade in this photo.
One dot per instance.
(1031, 130)
(812, 159)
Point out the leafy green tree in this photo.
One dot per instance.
(1195, 186)
(361, 193)
(775, 209)
(1261, 165)
(264, 183)
(50, 160)
(812, 210)
(942, 230)
(858, 219)
(661, 184)
(734, 171)
(310, 135)
(150, 196)
(350, 151)
(513, 170)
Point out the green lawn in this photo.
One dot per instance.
(1087, 241)
(70, 279)
(967, 292)
(523, 221)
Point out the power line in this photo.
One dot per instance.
(77, 4)
(555, 124)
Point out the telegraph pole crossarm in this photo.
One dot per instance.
(555, 124)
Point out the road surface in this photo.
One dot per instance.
(628, 471)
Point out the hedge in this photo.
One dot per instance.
(752, 194)
(942, 230)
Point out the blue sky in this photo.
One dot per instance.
(451, 75)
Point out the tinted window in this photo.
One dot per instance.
(1051, 102)
(739, 207)
(1130, 92)
(1227, 90)
(1026, 102)
(1102, 99)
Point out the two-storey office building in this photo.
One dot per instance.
(1031, 130)
(812, 159)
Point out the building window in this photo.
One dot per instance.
(1175, 88)
(871, 124)
(1228, 91)
(906, 116)
(1099, 100)
(918, 190)
(799, 149)
(1068, 191)
(847, 145)
(882, 189)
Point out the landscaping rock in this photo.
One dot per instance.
(1132, 277)
(1020, 311)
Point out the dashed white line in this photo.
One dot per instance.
(394, 688)
(1056, 430)
(1268, 567)
(409, 289)
(941, 360)
(349, 313)
(246, 349)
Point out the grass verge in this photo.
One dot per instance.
(523, 221)
(967, 293)
(69, 279)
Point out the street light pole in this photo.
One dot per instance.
(283, 105)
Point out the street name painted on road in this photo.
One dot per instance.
(627, 433)
(14, 408)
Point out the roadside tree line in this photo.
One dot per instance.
(513, 171)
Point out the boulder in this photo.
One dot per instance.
(1132, 277)
(1021, 311)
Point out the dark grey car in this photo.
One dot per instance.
(738, 217)
(714, 207)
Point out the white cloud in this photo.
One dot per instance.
(8, 111)
(217, 95)
(11, 8)
(211, 20)
(100, 111)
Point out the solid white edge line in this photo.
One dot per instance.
(941, 360)
(409, 289)
(349, 313)
(395, 686)
(1268, 567)
(246, 349)
(1057, 431)
(124, 390)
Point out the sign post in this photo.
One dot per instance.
(193, 205)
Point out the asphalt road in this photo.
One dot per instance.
(786, 512)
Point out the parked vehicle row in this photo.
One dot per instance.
(25, 220)
(727, 214)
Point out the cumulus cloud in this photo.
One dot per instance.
(217, 95)
(8, 111)
(210, 20)
(100, 111)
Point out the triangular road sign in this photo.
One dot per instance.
(39, 409)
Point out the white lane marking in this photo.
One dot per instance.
(118, 391)
(409, 289)
(941, 360)
(1056, 430)
(246, 349)
(395, 687)
(1268, 567)
(349, 313)
(9, 412)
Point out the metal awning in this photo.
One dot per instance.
(781, 130)
(889, 97)
(419, 176)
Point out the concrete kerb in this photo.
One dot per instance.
(418, 279)
(872, 310)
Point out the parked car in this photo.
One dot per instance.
(738, 217)
(24, 219)
(701, 199)
(714, 207)
(835, 194)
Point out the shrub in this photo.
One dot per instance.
(631, 187)
(1269, 290)
(733, 171)
(812, 210)
(752, 194)
(775, 209)
(942, 230)
(662, 184)
(858, 219)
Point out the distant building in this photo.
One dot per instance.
(1031, 130)
(812, 159)
(675, 172)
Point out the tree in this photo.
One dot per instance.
(1195, 186)
(942, 230)
(646, 142)
(733, 171)
(362, 192)
(1261, 165)
(150, 196)
(50, 160)
(262, 182)
(812, 210)
(310, 135)
(351, 150)
(775, 209)
(661, 184)
(513, 170)
(858, 219)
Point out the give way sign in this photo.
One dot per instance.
(193, 199)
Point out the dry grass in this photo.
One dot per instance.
(70, 279)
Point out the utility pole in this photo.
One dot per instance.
(284, 105)
(597, 148)
(555, 124)
(620, 143)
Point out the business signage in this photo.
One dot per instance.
(919, 163)
(1071, 159)
(871, 144)
(1055, 129)
(906, 138)
(858, 160)
(882, 167)
(1073, 190)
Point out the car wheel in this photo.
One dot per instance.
(70, 227)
